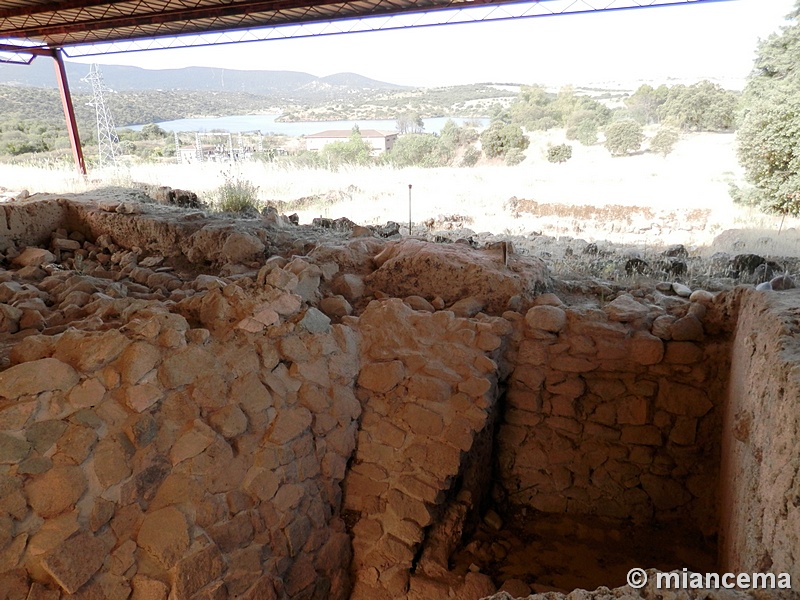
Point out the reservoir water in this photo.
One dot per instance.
(266, 125)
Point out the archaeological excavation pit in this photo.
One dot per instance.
(198, 407)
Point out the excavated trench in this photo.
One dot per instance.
(195, 407)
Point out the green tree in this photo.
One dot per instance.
(457, 136)
(534, 109)
(355, 151)
(664, 140)
(559, 154)
(415, 150)
(498, 139)
(153, 132)
(583, 126)
(644, 103)
(704, 106)
(769, 133)
(410, 122)
(624, 137)
(449, 141)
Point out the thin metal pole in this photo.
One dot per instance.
(69, 112)
(409, 210)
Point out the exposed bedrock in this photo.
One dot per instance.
(455, 272)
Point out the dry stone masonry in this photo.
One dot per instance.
(614, 411)
(199, 408)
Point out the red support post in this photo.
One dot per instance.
(69, 112)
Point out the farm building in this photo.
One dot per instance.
(379, 141)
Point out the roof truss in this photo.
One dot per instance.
(88, 27)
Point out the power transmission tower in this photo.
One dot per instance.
(107, 139)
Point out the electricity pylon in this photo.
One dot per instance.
(107, 139)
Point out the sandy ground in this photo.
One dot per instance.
(643, 201)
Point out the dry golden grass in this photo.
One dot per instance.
(643, 200)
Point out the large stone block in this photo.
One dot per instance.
(146, 588)
(88, 352)
(422, 421)
(164, 534)
(141, 397)
(646, 349)
(43, 375)
(110, 463)
(74, 562)
(137, 360)
(381, 377)
(625, 308)
(185, 367)
(290, 424)
(548, 318)
(682, 399)
(229, 421)
(13, 450)
(197, 569)
(194, 441)
(55, 491)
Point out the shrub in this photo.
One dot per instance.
(499, 139)
(514, 157)
(624, 137)
(471, 157)
(664, 140)
(416, 150)
(559, 154)
(237, 196)
(355, 151)
(307, 159)
(586, 133)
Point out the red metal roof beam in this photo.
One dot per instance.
(264, 7)
(36, 9)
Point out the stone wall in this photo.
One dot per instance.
(428, 386)
(761, 439)
(30, 223)
(154, 458)
(615, 412)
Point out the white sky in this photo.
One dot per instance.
(692, 41)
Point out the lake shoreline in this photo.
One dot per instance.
(268, 124)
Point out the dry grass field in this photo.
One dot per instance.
(642, 201)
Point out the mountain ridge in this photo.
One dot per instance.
(283, 85)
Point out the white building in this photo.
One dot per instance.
(379, 141)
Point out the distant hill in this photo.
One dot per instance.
(282, 85)
(358, 81)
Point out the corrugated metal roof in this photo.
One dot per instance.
(91, 27)
(346, 133)
(62, 23)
